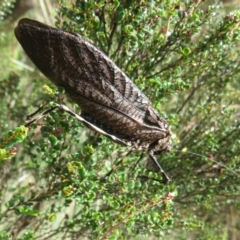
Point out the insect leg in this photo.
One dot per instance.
(79, 118)
(30, 122)
(140, 158)
(92, 126)
(118, 163)
(165, 176)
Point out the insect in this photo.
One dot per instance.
(111, 103)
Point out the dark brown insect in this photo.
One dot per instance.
(111, 103)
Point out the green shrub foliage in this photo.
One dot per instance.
(184, 55)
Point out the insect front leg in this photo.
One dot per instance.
(154, 159)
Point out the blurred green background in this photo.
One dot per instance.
(184, 55)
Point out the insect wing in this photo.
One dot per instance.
(109, 99)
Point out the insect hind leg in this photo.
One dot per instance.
(30, 122)
(99, 130)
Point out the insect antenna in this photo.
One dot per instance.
(201, 155)
(204, 156)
